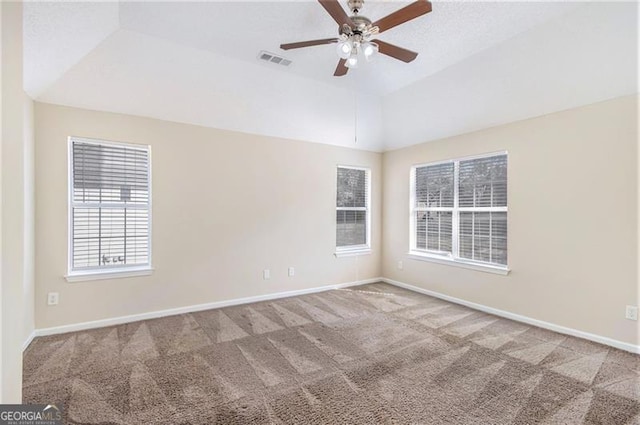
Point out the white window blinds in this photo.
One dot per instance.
(483, 209)
(109, 206)
(352, 208)
(459, 209)
(433, 209)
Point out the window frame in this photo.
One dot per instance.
(453, 258)
(361, 249)
(98, 272)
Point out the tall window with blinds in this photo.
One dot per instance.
(110, 206)
(459, 209)
(352, 209)
(433, 208)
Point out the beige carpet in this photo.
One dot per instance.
(369, 354)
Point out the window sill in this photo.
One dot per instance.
(458, 263)
(352, 252)
(107, 274)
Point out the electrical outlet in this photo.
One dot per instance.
(52, 298)
(291, 271)
(400, 265)
(631, 312)
(266, 274)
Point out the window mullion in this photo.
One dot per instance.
(413, 225)
(473, 235)
(352, 209)
(455, 216)
(491, 233)
(440, 230)
(125, 236)
(108, 205)
(99, 236)
(483, 209)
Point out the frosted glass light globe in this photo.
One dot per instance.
(369, 49)
(352, 62)
(344, 49)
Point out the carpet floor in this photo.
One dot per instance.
(368, 354)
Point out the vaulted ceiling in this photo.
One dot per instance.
(479, 64)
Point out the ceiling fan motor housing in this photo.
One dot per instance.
(362, 24)
(361, 27)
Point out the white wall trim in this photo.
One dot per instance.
(191, 308)
(28, 340)
(239, 301)
(518, 318)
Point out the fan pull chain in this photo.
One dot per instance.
(355, 123)
(355, 109)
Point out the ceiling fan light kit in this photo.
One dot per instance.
(356, 32)
(351, 47)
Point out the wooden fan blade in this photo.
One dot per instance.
(309, 43)
(403, 15)
(395, 52)
(341, 69)
(337, 12)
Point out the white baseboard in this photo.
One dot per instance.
(189, 309)
(29, 339)
(518, 318)
(238, 301)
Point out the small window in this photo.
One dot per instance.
(353, 209)
(459, 210)
(109, 207)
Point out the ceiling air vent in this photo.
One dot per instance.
(273, 58)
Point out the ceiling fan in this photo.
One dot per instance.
(356, 33)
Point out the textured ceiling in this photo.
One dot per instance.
(587, 57)
(58, 35)
(197, 63)
(240, 30)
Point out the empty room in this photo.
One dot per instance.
(319, 211)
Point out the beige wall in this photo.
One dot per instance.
(572, 218)
(28, 233)
(226, 205)
(16, 224)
